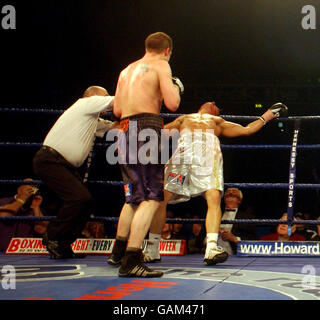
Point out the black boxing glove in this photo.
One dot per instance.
(176, 81)
(274, 111)
(279, 109)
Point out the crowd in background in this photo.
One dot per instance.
(28, 201)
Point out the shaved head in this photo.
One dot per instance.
(95, 91)
(209, 107)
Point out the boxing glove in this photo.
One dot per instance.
(279, 109)
(176, 81)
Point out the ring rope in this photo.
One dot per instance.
(174, 221)
(309, 186)
(164, 115)
(223, 146)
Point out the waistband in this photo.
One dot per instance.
(51, 150)
(144, 120)
(204, 137)
(55, 153)
(198, 133)
(144, 115)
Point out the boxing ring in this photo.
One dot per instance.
(185, 277)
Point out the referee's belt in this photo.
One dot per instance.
(51, 150)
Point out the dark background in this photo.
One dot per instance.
(236, 52)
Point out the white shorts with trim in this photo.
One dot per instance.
(195, 167)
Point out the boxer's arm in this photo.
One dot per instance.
(116, 105)
(232, 130)
(169, 91)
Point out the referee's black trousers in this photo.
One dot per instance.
(63, 178)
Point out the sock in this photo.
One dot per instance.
(132, 250)
(121, 238)
(120, 246)
(154, 237)
(212, 239)
(154, 240)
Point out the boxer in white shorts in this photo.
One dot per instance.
(196, 168)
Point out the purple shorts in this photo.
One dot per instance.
(142, 176)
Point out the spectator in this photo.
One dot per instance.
(230, 234)
(186, 230)
(111, 230)
(302, 229)
(306, 216)
(27, 202)
(95, 230)
(196, 243)
(177, 230)
(281, 233)
(166, 232)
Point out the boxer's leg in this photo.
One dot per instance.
(213, 218)
(141, 222)
(131, 263)
(151, 252)
(125, 220)
(124, 223)
(144, 186)
(213, 254)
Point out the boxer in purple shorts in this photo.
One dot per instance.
(142, 182)
(142, 88)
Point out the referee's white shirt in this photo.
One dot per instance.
(74, 132)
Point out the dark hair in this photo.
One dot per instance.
(158, 42)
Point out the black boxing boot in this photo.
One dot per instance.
(118, 252)
(131, 266)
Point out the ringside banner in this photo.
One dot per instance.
(278, 248)
(89, 246)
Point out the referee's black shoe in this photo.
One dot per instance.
(58, 250)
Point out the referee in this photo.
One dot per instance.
(64, 150)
